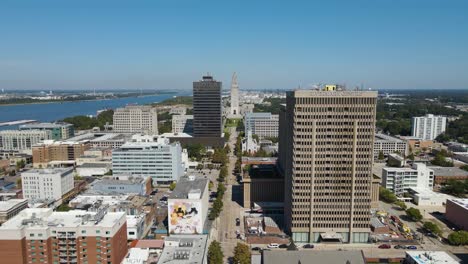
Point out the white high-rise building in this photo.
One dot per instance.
(136, 119)
(149, 156)
(428, 127)
(262, 124)
(47, 184)
(234, 97)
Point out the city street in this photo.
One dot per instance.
(224, 226)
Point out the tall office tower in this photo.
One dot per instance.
(136, 119)
(234, 96)
(428, 127)
(207, 108)
(326, 155)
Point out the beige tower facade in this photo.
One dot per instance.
(326, 155)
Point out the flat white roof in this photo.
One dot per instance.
(429, 257)
(7, 205)
(461, 202)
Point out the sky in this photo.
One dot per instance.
(380, 44)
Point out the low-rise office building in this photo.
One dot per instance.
(429, 257)
(456, 212)
(58, 131)
(427, 197)
(262, 124)
(149, 156)
(387, 145)
(47, 184)
(93, 169)
(51, 153)
(443, 174)
(22, 140)
(182, 124)
(185, 249)
(40, 235)
(188, 206)
(122, 184)
(399, 180)
(10, 208)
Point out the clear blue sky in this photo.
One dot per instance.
(271, 44)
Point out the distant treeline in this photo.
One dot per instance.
(85, 122)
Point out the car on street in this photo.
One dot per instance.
(385, 246)
(273, 245)
(256, 248)
(399, 247)
(411, 247)
(308, 246)
(283, 246)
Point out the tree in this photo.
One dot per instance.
(464, 167)
(440, 159)
(215, 253)
(210, 185)
(241, 254)
(19, 184)
(414, 214)
(12, 173)
(195, 151)
(200, 166)
(63, 208)
(172, 186)
(381, 155)
(20, 164)
(401, 204)
(410, 157)
(458, 238)
(454, 187)
(386, 195)
(432, 227)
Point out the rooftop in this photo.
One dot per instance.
(429, 257)
(187, 185)
(312, 257)
(461, 202)
(383, 137)
(49, 171)
(184, 249)
(9, 204)
(94, 165)
(449, 171)
(117, 181)
(46, 218)
(44, 125)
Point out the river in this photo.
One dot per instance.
(49, 112)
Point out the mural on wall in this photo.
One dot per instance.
(185, 217)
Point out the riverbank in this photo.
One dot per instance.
(83, 100)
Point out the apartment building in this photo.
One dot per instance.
(39, 235)
(400, 180)
(182, 124)
(50, 151)
(47, 184)
(22, 140)
(428, 127)
(326, 154)
(262, 124)
(136, 119)
(149, 156)
(59, 131)
(387, 145)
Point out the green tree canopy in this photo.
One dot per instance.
(215, 253)
(432, 227)
(458, 238)
(241, 254)
(401, 204)
(414, 214)
(386, 195)
(172, 186)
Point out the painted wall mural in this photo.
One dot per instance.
(185, 217)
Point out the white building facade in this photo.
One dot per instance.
(400, 180)
(388, 145)
(182, 123)
(149, 156)
(22, 140)
(136, 119)
(428, 127)
(234, 109)
(262, 124)
(47, 184)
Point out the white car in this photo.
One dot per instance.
(273, 245)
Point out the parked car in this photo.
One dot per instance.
(399, 247)
(308, 246)
(411, 247)
(385, 246)
(273, 245)
(283, 246)
(256, 248)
